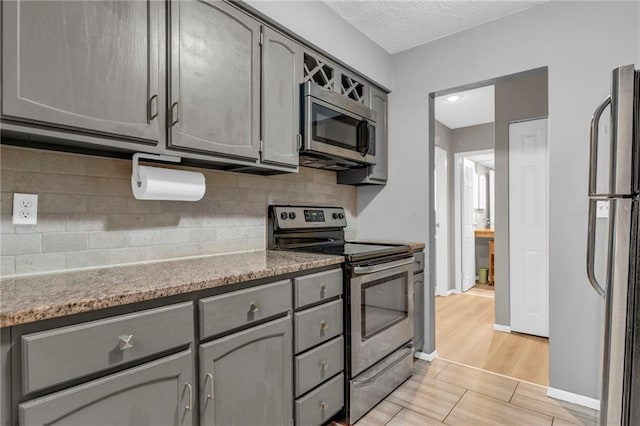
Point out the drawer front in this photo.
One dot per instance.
(418, 262)
(55, 356)
(317, 365)
(316, 325)
(317, 287)
(320, 405)
(235, 309)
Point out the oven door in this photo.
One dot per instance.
(381, 311)
(336, 132)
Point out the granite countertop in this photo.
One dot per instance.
(413, 245)
(33, 298)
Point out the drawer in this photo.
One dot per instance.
(320, 405)
(55, 356)
(317, 365)
(317, 287)
(418, 262)
(316, 325)
(237, 308)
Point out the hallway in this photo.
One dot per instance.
(465, 334)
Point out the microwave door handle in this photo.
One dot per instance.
(363, 137)
(593, 139)
(591, 248)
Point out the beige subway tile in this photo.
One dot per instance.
(248, 232)
(247, 181)
(144, 238)
(45, 262)
(97, 185)
(64, 163)
(12, 158)
(107, 167)
(47, 222)
(122, 221)
(107, 240)
(161, 220)
(172, 251)
(227, 233)
(62, 203)
(108, 204)
(144, 206)
(7, 266)
(192, 220)
(37, 183)
(87, 258)
(198, 235)
(6, 224)
(13, 244)
(85, 222)
(175, 236)
(7, 181)
(6, 202)
(69, 241)
(126, 255)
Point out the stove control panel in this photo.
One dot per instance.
(301, 217)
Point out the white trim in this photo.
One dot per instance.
(425, 357)
(502, 328)
(574, 398)
(448, 293)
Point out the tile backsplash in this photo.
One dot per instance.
(88, 217)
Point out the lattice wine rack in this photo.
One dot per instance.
(318, 72)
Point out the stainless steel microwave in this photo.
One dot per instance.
(339, 133)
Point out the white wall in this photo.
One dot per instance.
(580, 42)
(319, 24)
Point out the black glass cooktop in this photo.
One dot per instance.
(355, 251)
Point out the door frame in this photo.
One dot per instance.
(443, 255)
(457, 208)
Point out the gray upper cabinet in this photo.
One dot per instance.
(214, 105)
(156, 393)
(93, 66)
(246, 377)
(281, 79)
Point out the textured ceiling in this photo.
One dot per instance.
(398, 25)
(476, 106)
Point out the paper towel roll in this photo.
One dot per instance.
(167, 184)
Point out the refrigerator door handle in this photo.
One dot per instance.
(591, 246)
(593, 154)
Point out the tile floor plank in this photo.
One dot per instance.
(427, 396)
(477, 409)
(407, 417)
(560, 422)
(430, 369)
(482, 382)
(535, 398)
(380, 415)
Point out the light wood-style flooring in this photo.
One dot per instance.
(465, 334)
(442, 392)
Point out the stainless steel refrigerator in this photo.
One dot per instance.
(613, 244)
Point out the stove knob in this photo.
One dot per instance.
(292, 215)
(284, 215)
(335, 215)
(341, 215)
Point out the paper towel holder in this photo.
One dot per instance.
(160, 157)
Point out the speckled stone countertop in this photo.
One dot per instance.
(39, 297)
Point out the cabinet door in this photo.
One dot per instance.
(246, 377)
(215, 79)
(418, 311)
(88, 65)
(155, 393)
(281, 78)
(378, 100)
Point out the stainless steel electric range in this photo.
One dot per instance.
(378, 289)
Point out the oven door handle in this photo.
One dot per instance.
(378, 268)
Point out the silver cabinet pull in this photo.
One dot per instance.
(153, 107)
(324, 405)
(254, 307)
(175, 114)
(323, 290)
(324, 325)
(324, 365)
(299, 141)
(210, 377)
(126, 341)
(190, 403)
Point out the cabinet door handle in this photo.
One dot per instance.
(175, 114)
(254, 307)
(323, 290)
(189, 405)
(324, 405)
(299, 141)
(324, 325)
(210, 377)
(126, 341)
(324, 365)
(153, 107)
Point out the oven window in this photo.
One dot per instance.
(385, 302)
(334, 128)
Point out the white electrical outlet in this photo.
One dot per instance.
(25, 209)
(602, 209)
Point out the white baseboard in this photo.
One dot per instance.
(574, 398)
(426, 357)
(447, 293)
(502, 328)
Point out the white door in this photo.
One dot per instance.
(442, 228)
(468, 225)
(528, 227)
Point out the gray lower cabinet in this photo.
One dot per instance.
(418, 311)
(156, 393)
(281, 78)
(246, 377)
(214, 105)
(93, 66)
